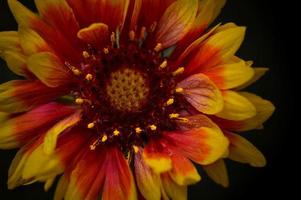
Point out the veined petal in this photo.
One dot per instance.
(22, 95)
(217, 49)
(202, 94)
(202, 145)
(241, 150)
(231, 75)
(176, 22)
(51, 137)
(173, 190)
(258, 73)
(183, 171)
(18, 130)
(148, 182)
(16, 62)
(236, 107)
(9, 41)
(156, 155)
(218, 172)
(97, 34)
(49, 69)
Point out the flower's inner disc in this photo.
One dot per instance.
(127, 89)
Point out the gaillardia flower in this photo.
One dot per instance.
(121, 97)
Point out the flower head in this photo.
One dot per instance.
(121, 96)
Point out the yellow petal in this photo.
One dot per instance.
(52, 135)
(218, 172)
(61, 188)
(208, 11)
(241, 150)
(259, 72)
(9, 41)
(16, 62)
(173, 190)
(22, 15)
(48, 184)
(236, 107)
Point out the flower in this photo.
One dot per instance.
(121, 96)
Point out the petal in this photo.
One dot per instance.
(241, 150)
(259, 72)
(217, 49)
(97, 34)
(51, 137)
(202, 94)
(176, 21)
(16, 62)
(195, 122)
(202, 145)
(236, 107)
(31, 42)
(23, 16)
(173, 190)
(218, 172)
(61, 188)
(9, 41)
(183, 171)
(20, 129)
(156, 155)
(49, 69)
(148, 182)
(22, 95)
(231, 75)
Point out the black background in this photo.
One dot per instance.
(270, 41)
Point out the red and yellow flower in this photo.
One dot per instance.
(123, 96)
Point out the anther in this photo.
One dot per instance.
(132, 35)
(170, 101)
(113, 37)
(138, 130)
(91, 125)
(104, 138)
(135, 148)
(178, 71)
(142, 33)
(183, 119)
(94, 145)
(106, 51)
(86, 54)
(164, 64)
(179, 90)
(158, 47)
(153, 127)
(89, 77)
(174, 115)
(79, 101)
(76, 72)
(116, 132)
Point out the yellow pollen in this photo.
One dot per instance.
(179, 90)
(132, 35)
(138, 130)
(79, 101)
(91, 125)
(76, 72)
(153, 127)
(106, 51)
(135, 148)
(164, 64)
(86, 54)
(89, 77)
(178, 71)
(174, 115)
(116, 132)
(183, 119)
(158, 47)
(170, 101)
(104, 138)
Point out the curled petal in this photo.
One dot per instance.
(96, 34)
(202, 94)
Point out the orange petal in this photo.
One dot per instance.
(218, 172)
(20, 129)
(22, 95)
(241, 150)
(183, 171)
(203, 145)
(202, 94)
(176, 22)
(148, 182)
(173, 190)
(61, 188)
(97, 34)
(49, 69)
(156, 155)
(236, 107)
(231, 74)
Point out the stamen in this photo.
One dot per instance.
(94, 145)
(132, 35)
(153, 127)
(79, 101)
(158, 47)
(113, 38)
(91, 125)
(86, 54)
(143, 33)
(135, 148)
(116, 132)
(104, 138)
(183, 119)
(138, 130)
(164, 64)
(179, 90)
(75, 71)
(178, 71)
(174, 115)
(106, 51)
(170, 101)
(153, 27)
(89, 77)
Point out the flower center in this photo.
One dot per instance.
(127, 89)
